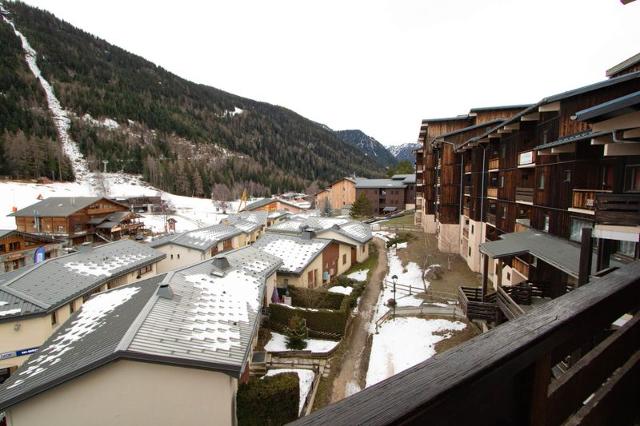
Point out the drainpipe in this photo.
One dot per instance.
(482, 227)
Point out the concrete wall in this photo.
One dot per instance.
(449, 238)
(362, 254)
(469, 249)
(133, 393)
(269, 287)
(302, 279)
(429, 223)
(344, 253)
(178, 257)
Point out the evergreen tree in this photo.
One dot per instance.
(326, 208)
(361, 207)
(296, 333)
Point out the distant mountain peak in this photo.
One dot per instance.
(368, 145)
(404, 151)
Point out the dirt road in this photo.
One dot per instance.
(352, 372)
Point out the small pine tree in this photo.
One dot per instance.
(361, 207)
(296, 333)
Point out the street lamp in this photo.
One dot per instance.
(395, 302)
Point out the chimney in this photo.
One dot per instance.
(308, 234)
(165, 292)
(221, 265)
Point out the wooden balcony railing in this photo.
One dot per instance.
(467, 167)
(520, 227)
(585, 199)
(466, 211)
(507, 305)
(494, 163)
(524, 195)
(618, 209)
(527, 159)
(471, 303)
(521, 266)
(505, 376)
(492, 192)
(467, 190)
(491, 219)
(419, 167)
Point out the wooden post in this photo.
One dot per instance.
(499, 274)
(586, 252)
(539, 390)
(485, 273)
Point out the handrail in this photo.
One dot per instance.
(502, 376)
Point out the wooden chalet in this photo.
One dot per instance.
(18, 249)
(73, 219)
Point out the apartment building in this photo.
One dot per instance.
(20, 249)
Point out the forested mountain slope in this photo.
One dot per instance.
(183, 137)
(368, 145)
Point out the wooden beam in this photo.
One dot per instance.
(626, 149)
(564, 149)
(534, 116)
(586, 250)
(485, 275)
(553, 106)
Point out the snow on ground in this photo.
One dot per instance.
(402, 245)
(352, 387)
(306, 380)
(190, 212)
(416, 337)
(278, 343)
(359, 275)
(341, 289)
(384, 235)
(411, 275)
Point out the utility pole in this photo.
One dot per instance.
(105, 162)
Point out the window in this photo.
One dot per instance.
(363, 248)
(178, 255)
(2, 249)
(286, 282)
(472, 229)
(546, 223)
(504, 212)
(627, 248)
(469, 251)
(501, 181)
(71, 308)
(541, 181)
(503, 151)
(54, 318)
(172, 256)
(344, 259)
(576, 229)
(145, 270)
(632, 178)
(508, 276)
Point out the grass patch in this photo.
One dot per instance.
(406, 220)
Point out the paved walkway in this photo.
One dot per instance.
(352, 373)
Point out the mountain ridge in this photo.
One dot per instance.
(368, 145)
(182, 136)
(404, 152)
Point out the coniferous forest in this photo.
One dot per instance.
(183, 137)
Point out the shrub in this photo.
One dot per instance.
(323, 320)
(317, 299)
(296, 333)
(272, 400)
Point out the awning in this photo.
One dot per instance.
(618, 233)
(570, 139)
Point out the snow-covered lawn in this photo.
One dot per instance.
(410, 275)
(306, 380)
(404, 342)
(384, 235)
(359, 275)
(341, 290)
(278, 343)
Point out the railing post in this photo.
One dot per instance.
(541, 371)
(586, 252)
(485, 273)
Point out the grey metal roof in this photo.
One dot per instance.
(364, 183)
(475, 126)
(560, 253)
(591, 87)
(456, 118)
(571, 138)
(260, 203)
(295, 252)
(500, 107)
(259, 217)
(352, 229)
(200, 239)
(214, 313)
(57, 206)
(95, 346)
(243, 225)
(208, 320)
(43, 238)
(40, 288)
(629, 62)
(613, 108)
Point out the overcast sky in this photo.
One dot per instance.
(379, 66)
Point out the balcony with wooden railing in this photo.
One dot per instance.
(511, 374)
(584, 200)
(467, 190)
(524, 195)
(467, 167)
(419, 167)
(492, 192)
(521, 266)
(466, 211)
(618, 209)
(491, 219)
(494, 164)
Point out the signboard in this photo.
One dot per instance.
(39, 255)
(18, 352)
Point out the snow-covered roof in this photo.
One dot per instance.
(204, 316)
(353, 229)
(259, 217)
(200, 239)
(58, 206)
(40, 288)
(296, 252)
(243, 225)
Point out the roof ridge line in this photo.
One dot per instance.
(131, 332)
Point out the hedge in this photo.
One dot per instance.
(272, 400)
(323, 320)
(319, 299)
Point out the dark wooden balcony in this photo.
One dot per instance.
(475, 307)
(524, 195)
(509, 307)
(521, 266)
(494, 164)
(509, 375)
(467, 190)
(527, 159)
(492, 192)
(491, 219)
(585, 199)
(467, 167)
(618, 209)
